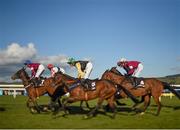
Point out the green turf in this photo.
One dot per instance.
(14, 114)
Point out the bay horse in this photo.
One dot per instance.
(35, 92)
(105, 90)
(153, 87)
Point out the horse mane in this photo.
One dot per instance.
(115, 71)
(25, 73)
(67, 76)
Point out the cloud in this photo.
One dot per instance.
(15, 53)
(56, 60)
(13, 57)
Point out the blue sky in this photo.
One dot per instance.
(100, 30)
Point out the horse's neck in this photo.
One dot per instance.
(41, 90)
(25, 80)
(115, 71)
(70, 81)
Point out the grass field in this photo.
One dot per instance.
(14, 114)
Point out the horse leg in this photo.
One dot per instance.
(146, 103)
(30, 106)
(112, 106)
(157, 101)
(36, 106)
(59, 102)
(81, 103)
(136, 104)
(52, 104)
(87, 105)
(92, 112)
(33, 106)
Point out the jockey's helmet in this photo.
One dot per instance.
(49, 66)
(71, 61)
(27, 62)
(123, 60)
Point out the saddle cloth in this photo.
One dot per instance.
(137, 82)
(88, 85)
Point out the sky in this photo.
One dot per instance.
(102, 31)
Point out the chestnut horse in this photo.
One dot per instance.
(153, 87)
(105, 90)
(34, 92)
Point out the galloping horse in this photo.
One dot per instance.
(153, 87)
(105, 90)
(34, 92)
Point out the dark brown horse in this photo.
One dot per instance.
(153, 87)
(35, 92)
(105, 90)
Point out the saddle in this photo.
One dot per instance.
(88, 84)
(136, 82)
(38, 81)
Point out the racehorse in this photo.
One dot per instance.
(35, 92)
(105, 90)
(153, 87)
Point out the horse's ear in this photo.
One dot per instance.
(107, 70)
(114, 67)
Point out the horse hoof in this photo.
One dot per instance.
(33, 111)
(86, 117)
(142, 113)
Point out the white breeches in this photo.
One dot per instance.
(40, 70)
(138, 70)
(88, 70)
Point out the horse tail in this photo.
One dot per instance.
(133, 98)
(169, 87)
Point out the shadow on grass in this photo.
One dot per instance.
(77, 110)
(2, 109)
(168, 106)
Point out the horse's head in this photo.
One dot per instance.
(20, 74)
(58, 77)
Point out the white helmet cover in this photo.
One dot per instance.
(123, 60)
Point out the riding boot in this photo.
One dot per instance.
(135, 82)
(83, 83)
(35, 81)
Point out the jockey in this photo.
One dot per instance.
(133, 68)
(55, 69)
(84, 69)
(36, 70)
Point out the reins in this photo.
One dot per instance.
(28, 85)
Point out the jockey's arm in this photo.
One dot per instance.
(33, 73)
(80, 72)
(53, 71)
(130, 72)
